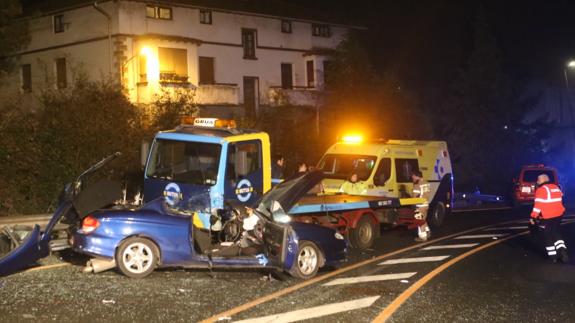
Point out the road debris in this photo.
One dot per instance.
(108, 301)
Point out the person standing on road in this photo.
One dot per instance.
(421, 190)
(548, 208)
(278, 169)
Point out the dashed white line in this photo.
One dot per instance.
(522, 227)
(451, 246)
(413, 260)
(364, 279)
(313, 312)
(480, 236)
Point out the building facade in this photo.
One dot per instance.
(234, 61)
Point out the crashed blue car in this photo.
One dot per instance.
(156, 235)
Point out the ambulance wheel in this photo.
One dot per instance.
(363, 235)
(137, 257)
(437, 216)
(308, 261)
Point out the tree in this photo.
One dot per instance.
(483, 118)
(13, 33)
(360, 98)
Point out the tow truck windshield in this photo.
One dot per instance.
(185, 162)
(342, 166)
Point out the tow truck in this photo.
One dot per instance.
(210, 166)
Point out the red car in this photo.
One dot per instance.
(525, 184)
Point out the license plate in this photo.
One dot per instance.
(526, 189)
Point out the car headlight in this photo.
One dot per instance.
(339, 236)
(283, 218)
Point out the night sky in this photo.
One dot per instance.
(427, 41)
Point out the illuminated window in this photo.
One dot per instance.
(206, 17)
(26, 74)
(58, 22)
(173, 65)
(286, 26)
(207, 70)
(249, 43)
(156, 12)
(143, 68)
(321, 30)
(61, 79)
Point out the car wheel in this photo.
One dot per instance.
(307, 261)
(137, 257)
(437, 216)
(363, 235)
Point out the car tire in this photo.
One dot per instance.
(437, 215)
(137, 257)
(363, 235)
(307, 262)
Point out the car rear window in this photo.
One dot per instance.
(530, 176)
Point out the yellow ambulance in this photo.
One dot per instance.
(385, 168)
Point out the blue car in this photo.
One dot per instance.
(139, 241)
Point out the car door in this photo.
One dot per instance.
(275, 236)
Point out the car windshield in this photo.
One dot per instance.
(185, 162)
(342, 166)
(530, 176)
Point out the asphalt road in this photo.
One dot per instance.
(487, 274)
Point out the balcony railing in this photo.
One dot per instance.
(218, 94)
(298, 96)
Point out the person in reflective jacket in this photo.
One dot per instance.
(421, 189)
(548, 209)
(353, 186)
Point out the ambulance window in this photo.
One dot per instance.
(383, 172)
(244, 158)
(404, 168)
(342, 166)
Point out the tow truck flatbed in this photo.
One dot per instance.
(345, 202)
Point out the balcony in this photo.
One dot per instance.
(217, 94)
(296, 96)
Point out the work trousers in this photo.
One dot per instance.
(552, 236)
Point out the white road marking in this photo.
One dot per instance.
(522, 227)
(313, 312)
(479, 236)
(364, 279)
(451, 246)
(413, 260)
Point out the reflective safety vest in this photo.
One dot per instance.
(548, 202)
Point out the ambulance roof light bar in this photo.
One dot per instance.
(352, 139)
(209, 122)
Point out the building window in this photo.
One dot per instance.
(321, 30)
(156, 12)
(310, 73)
(58, 22)
(143, 69)
(206, 17)
(173, 65)
(26, 74)
(287, 76)
(286, 26)
(327, 73)
(249, 43)
(61, 79)
(207, 70)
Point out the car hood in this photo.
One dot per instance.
(289, 192)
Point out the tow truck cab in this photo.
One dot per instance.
(208, 163)
(386, 167)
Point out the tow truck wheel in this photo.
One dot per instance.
(363, 235)
(307, 262)
(137, 257)
(437, 215)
